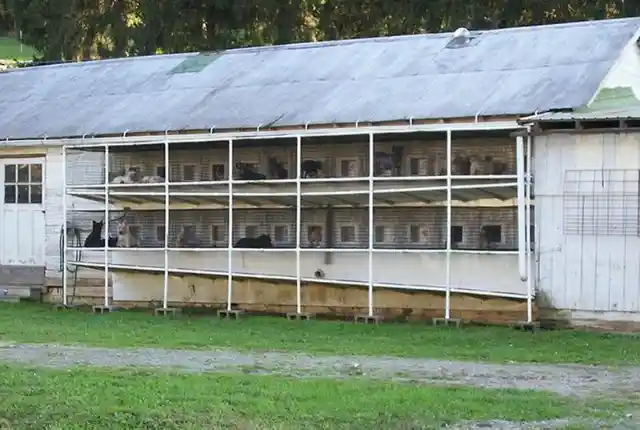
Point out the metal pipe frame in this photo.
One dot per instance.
(371, 223)
(447, 300)
(524, 217)
(529, 252)
(65, 275)
(165, 291)
(106, 225)
(230, 230)
(298, 223)
(253, 135)
(522, 266)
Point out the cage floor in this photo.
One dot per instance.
(392, 192)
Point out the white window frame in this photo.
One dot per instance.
(311, 226)
(339, 162)
(388, 238)
(196, 172)
(287, 233)
(339, 238)
(421, 238)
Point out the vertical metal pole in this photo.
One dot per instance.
(371, 224)
(447, 298)
(230, 229)
(298, 222)
(167, 201)
(106, 225)
(522, 268)
(528, 232)
(65, 278)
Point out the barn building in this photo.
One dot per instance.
(385, 177)
(587, 207)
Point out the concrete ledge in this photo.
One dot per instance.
(229, 314)
(299, 316)
(526, 326)
(448, 322)
(102, 309)
(167, 311)
(367, 319)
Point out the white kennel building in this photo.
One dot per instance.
(472, 89)
(588, 210)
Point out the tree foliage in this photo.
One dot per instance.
(83, 29)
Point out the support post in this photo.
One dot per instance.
(528, 241)
(165, 294)
(447, 300)
(298, 222)
(371, 223)
(230, 230)
(106, 226)
(521, 208)
(65, 276)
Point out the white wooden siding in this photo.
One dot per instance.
(584, 272)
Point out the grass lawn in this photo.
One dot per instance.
(105, 399)
(10, 50)
(28, 323)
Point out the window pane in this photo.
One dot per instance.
(36, 173)
(23, 173)
(379, 234)
(160, 233)
(23, 193)
(414, 234)
(36, 194)
(217, 172)
(9, 173)
(161, 171)
(9, 193)
(347, 234)
(280, 233)
(188, 173)
(189, 232)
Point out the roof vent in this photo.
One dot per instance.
(462, 32)
(461, 38)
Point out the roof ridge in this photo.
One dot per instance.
(342, 42)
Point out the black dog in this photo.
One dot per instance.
(260, 242)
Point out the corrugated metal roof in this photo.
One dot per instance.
(618, 103)
(504, 72)
(630, 113)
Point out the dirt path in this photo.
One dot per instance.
(571, 380)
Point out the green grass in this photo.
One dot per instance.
(27, 323)
(106, 399)
(10, 50)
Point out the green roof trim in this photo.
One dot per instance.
(196, 63)
(616, 98)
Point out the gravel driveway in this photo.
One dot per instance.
(571, 380)
(563, 379)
